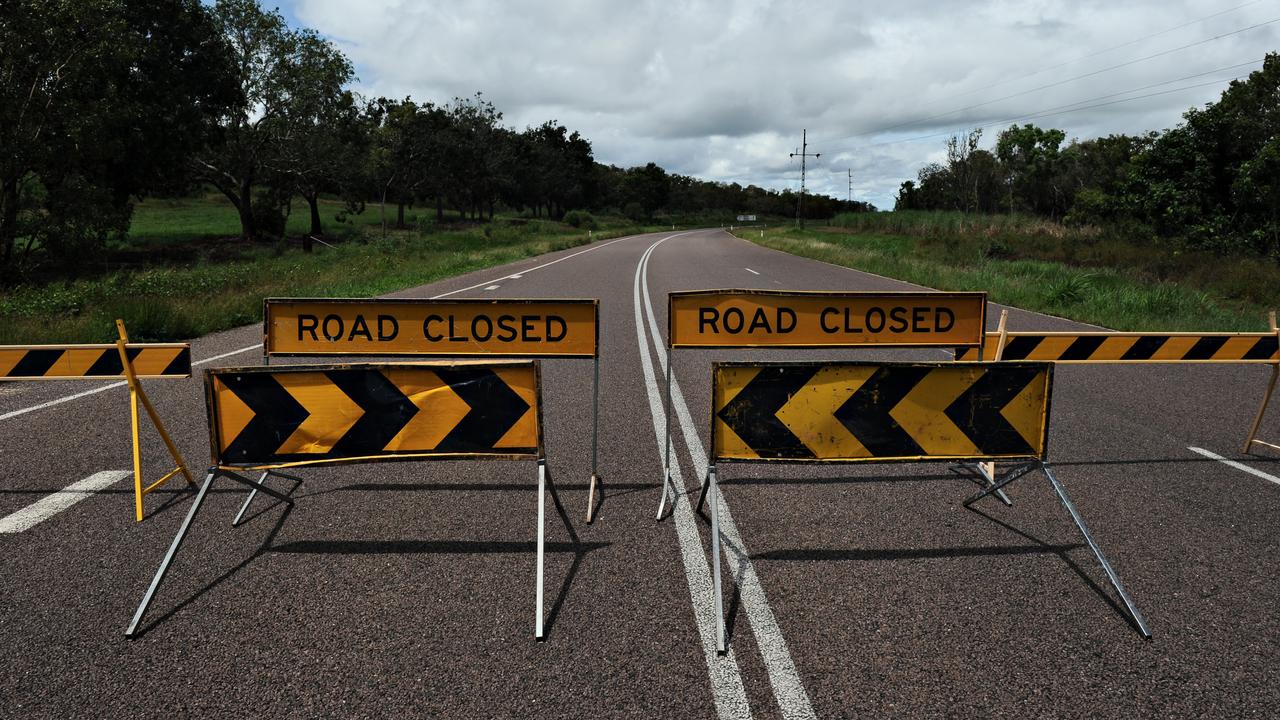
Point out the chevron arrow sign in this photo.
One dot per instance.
(277, 416)
(1131, 347)
(93, 362)
(861, 411)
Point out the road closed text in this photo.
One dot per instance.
(399, 327)
(761, 318)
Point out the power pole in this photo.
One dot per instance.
(804, 154)
(850, 200)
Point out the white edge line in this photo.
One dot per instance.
(50, 505)
(788, 689)
(753, 272)
(727, 687)
(1239, 466)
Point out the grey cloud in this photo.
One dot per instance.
(721, 90)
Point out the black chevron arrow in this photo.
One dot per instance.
(386, 411)
(977, 411)
(276, 416)
(753, 412)
(495, 408)
(866, 412)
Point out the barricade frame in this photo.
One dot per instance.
(232, 471)
(709, 488)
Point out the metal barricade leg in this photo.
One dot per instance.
(168, 556)
(1262, 411)
(721, 641)
(1097, 551)
(666, 463)
(1013, 474)
(595, 439)
(702, 492)
(261, 485)
(542, 487)
(253, 493)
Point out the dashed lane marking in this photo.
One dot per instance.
(1239, 466)
(50, 505)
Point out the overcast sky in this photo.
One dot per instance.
(722, 90)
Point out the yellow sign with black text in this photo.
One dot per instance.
(864, 411)
(309, 414)
(410, 327)
(766, 318)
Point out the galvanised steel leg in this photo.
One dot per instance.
(168, 557)
(542, 487)
(253, 493)
(989, 477)
(595, 438)
(706, 480)
(721, 644)
(1097, 551)
(1014, 474)
(666, 463)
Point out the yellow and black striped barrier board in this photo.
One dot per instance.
(775, 318)
(1104, 347)
(417, 327)
(303, 415)
(93, 362)
(864, 411)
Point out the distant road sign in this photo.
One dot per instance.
(767, 318)
(513, 328)
(746, 218)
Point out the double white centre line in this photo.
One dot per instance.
(731, 701)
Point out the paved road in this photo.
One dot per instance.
(407, 589)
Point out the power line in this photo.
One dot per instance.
(1104, 51)
(1063, 82)
(804, 154)
(1056, 111)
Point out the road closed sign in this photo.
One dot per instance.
(767, 318)
(409, 327)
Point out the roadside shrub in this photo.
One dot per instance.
(581, 219)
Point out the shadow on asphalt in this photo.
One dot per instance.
(373, 547)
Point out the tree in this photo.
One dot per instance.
(1030, 157)
(287, 79)
(100, 101)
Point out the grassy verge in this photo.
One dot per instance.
(1078, 274)
(211, 293)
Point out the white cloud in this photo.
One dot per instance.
(721, 90)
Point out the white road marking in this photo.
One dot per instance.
(59, 401)
(536, 267)
(493, 287)
(111, 386)
(51, 505)
(215, 358)
(726, 681)
(753, 272)
(793, 699)
(103, 388)
(1239, 466)
(512, 277)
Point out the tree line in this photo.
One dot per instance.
(103, 102)
(1212, 182)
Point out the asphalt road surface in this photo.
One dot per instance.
(406, 589)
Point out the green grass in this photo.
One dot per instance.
(1078, 274)
(218, 291)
